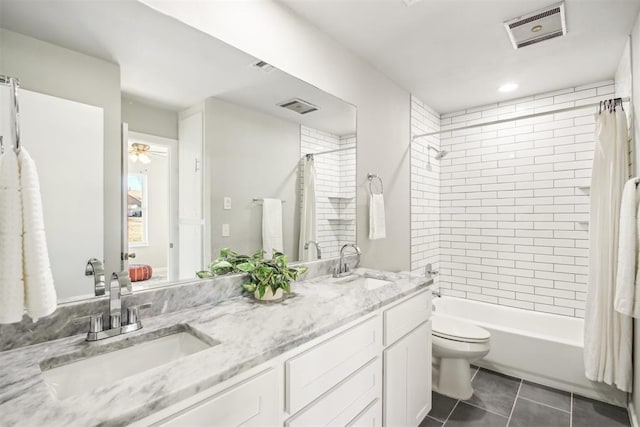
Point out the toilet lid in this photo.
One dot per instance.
(458, 330)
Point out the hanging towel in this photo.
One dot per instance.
(40, 292)
(11, 283)
(377, 226)
(272, 226)
(607, 333)
(308, 214)
(627, 299)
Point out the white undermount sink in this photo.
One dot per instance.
(101, 370)
(368, 283)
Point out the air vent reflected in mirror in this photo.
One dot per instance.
(298, 105)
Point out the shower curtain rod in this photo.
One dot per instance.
(330, 151)
(528, 116)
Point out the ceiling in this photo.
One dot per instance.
(166, 63)
(454, 54)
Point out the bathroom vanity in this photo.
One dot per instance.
(348, 351)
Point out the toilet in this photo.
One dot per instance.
(456, 344)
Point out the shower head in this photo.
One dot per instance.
(441, 154)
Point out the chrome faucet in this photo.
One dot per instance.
(314, 243)
(343, 269)
(96, 269)
(115, 325)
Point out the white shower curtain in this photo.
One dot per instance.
(607, 335)
(308, 214)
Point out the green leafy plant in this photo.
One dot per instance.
(227, 263)
(273, 273)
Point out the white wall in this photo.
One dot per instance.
(303, 51)
(149, 119)
(425, 189)
(514, 222)
(250, 154)
(45, 68)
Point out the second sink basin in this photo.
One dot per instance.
(368, 283)
(88, 374)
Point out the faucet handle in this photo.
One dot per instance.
(133, 312)
(95, 322)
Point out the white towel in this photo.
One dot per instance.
(40, 292)
(11, 284)
(377, 225)
(272, 226)
(627, 297)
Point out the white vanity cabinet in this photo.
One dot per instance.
(252, 402)
(375, 371)
(407, 378)
(407, 361)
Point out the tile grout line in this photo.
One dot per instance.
(452, 409)
(514, 403)
(485, 409)
(547, 405)
(571, 413)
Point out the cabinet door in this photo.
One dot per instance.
(250, 403)
(407, 378)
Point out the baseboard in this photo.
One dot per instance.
(633, 416)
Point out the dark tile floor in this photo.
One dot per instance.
(500, 401)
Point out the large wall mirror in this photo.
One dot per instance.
(213, 139)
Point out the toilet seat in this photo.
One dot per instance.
(457, 330)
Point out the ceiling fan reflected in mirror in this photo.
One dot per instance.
(139, 152)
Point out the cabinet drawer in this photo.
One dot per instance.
(370, 417)
(320, 368)
(404, 317)
(250, 403)
(346, 402)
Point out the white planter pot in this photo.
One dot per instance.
(269, 295)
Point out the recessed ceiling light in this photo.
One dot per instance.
(508, 87)
(410, 3)
(536, 28)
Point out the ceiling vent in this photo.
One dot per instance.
(534, 27)
(263, 66)
(298, 105)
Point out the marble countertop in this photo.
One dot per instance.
(249, 332)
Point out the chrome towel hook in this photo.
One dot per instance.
(13, 84)
(371, 177)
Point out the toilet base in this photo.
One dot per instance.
(452, 378)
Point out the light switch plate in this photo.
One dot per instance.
(226, 230)
(227, 203)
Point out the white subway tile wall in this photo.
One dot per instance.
(335, 187)
(425, 189)
(514, 201)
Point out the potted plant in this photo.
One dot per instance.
(269, 279)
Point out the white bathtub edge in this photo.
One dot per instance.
(633, 415)
(607, 394)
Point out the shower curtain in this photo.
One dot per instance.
(308, 214)
(607, 335)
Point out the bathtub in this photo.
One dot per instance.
(543, 348)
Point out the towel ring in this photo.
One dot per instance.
(371, 177)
